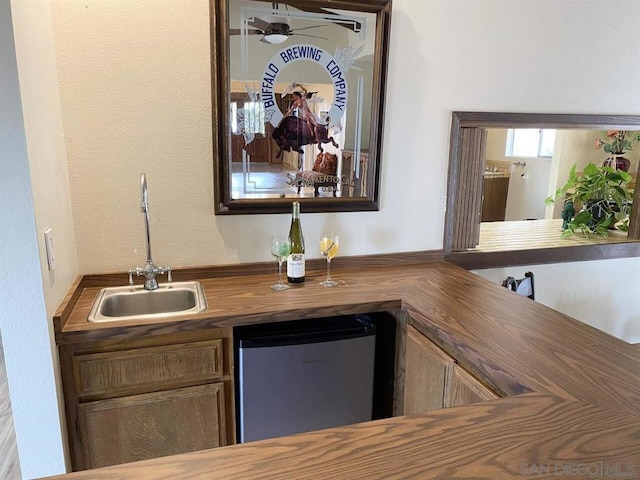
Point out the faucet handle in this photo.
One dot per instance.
(167, 270)
(135, 271)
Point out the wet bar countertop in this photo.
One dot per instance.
(572, 393)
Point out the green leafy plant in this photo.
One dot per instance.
(604, 196)
(617, 142)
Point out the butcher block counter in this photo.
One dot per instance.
(571, 394)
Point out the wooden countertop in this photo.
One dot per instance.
(573, 402)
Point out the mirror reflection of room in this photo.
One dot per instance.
(525, 166)
(294, 131)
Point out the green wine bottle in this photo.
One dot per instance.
(295, 261)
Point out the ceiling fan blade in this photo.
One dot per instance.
(259, 23)
(312, 36)
(238, 31)
(306, 28)
(353, 27)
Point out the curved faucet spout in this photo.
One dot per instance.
(145, 210)
(143, 193)
(150, 271)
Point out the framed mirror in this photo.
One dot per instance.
(298, 97)
(526, 242)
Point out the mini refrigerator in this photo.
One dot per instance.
(304, 375)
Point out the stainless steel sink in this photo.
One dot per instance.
(134, 302)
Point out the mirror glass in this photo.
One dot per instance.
(480, 154)
(522, 167)
(299, 104)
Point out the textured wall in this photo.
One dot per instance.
(134, 88)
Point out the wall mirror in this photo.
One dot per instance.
(525, 242)
(297, 97)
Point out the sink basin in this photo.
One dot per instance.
(134, 302)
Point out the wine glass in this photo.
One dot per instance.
(280, 248)
(329, 243)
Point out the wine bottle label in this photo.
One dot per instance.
(295, 265)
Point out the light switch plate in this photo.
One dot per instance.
(48, 245)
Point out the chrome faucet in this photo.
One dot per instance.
(150, 271)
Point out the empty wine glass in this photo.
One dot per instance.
(329, 244)
(280, 248)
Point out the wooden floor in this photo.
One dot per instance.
(531, 234)
(9, 465)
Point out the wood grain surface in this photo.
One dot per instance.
(152, 425)
(427, 369)
(245, 299)
(504, 439)
(465, 389)
(573, 392)
(145, 368)
(533, 242)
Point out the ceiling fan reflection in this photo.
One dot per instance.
(276, 32)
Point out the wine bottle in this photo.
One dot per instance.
(295, 261)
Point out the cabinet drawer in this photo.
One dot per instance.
(149, 368)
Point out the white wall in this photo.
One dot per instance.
(600, 293)
(528, 189)
(46, 144)
(26, 331)
(153, 114)
(148, 107)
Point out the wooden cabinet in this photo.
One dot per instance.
(426, 369)
(147, 369)
(138, 399)
(494, 198)
(434, 380)
(465, 389)
(151, 425)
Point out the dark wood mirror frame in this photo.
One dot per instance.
(464, 190)
(220, 98)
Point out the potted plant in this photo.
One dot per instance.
(604, 196)
(616, 143)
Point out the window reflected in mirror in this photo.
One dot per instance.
(530, 142)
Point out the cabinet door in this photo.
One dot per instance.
(426, 370)
(494, 202)
(465, 389)
(151, 425)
